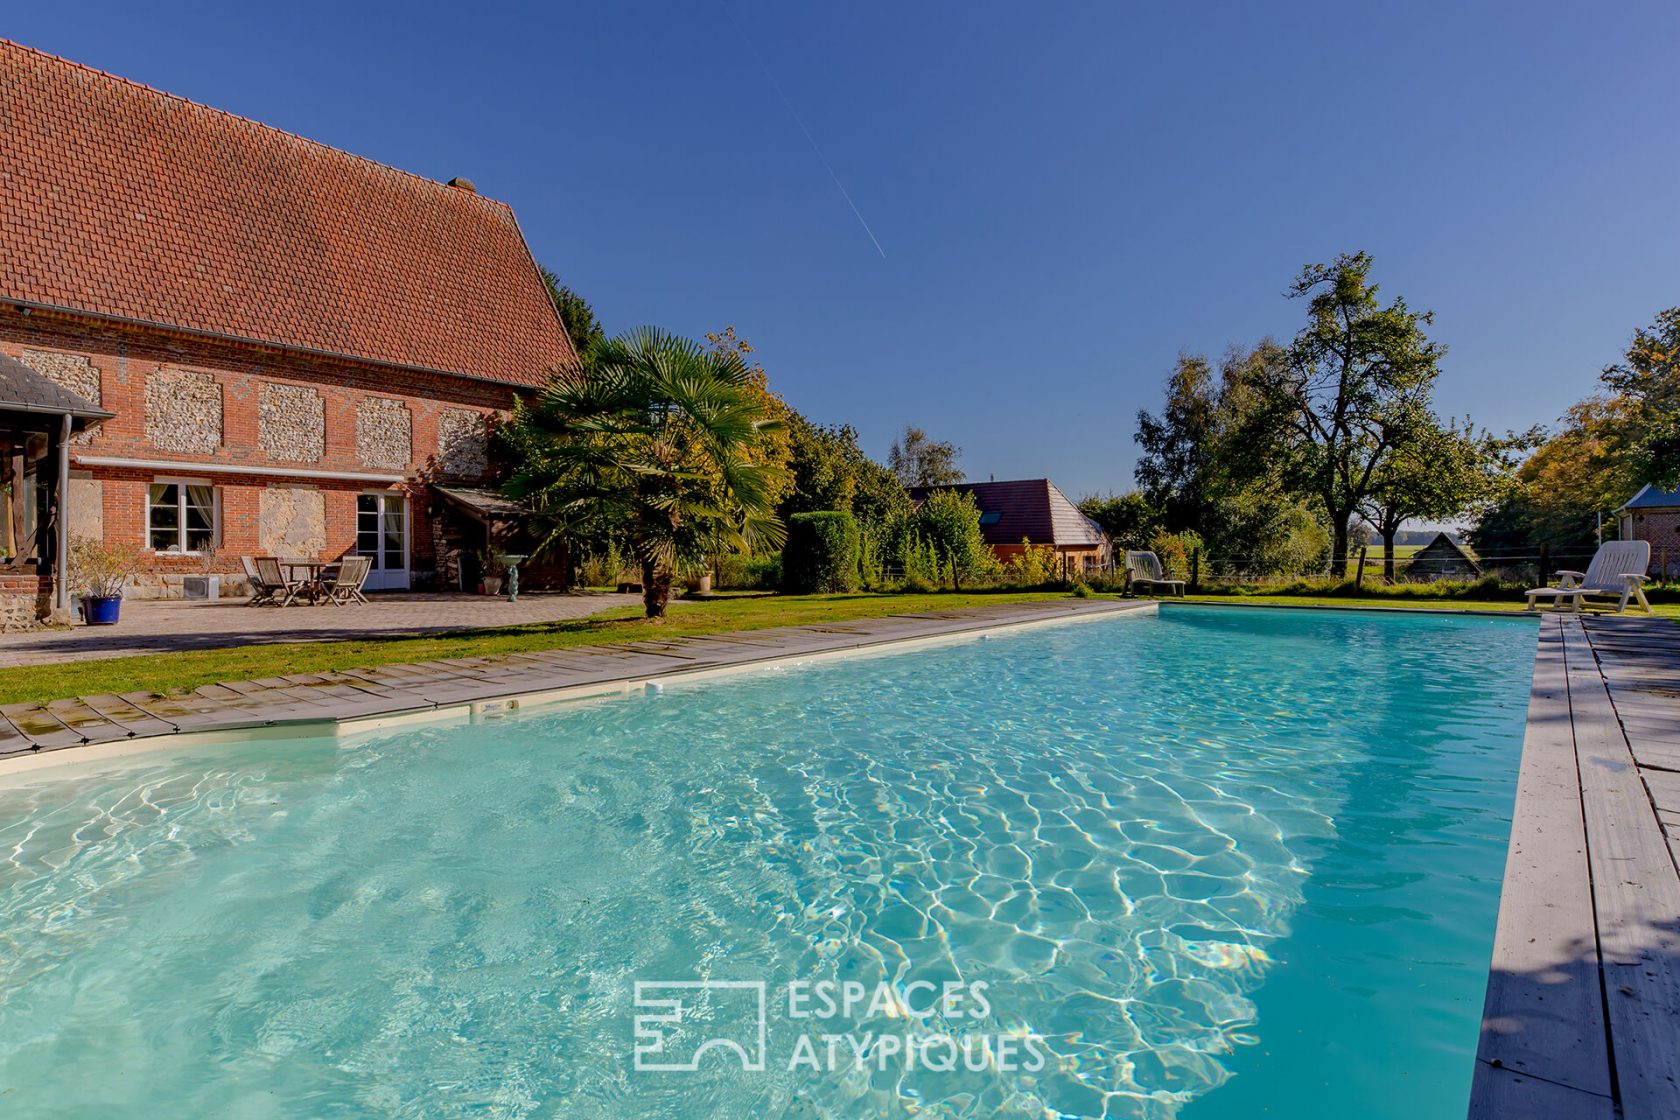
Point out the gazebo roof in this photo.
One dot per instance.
(24, 390)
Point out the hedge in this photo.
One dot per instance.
(821, 553)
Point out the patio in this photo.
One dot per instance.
(172, 625)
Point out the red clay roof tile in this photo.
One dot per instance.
(120, 200)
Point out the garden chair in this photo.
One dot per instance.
(1616, 572)
(281, 589)
(262, 593)
(1143, 570)
(346, 586)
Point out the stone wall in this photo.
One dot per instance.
(292, 423)
(384, 434)
(25, 599)
(462, 443)
(291, 521)
(70, 371)
(87, 507)
(183, 410)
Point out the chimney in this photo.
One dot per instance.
(461, 184)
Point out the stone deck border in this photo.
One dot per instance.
(1582, 1014)
(34, 735)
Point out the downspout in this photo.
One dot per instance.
(61, 558)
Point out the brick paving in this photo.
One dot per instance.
(174, 626)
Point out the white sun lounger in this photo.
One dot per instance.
(1617, 572)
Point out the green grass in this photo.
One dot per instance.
(180, 672)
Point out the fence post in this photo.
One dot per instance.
(1195, 570)
(1359, 573)
(1545, 563)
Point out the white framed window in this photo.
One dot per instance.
(183, 515)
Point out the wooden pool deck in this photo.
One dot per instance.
(486, 683)
(1582, 1016)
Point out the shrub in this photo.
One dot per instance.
(748, 573)
(1174, 551)
(821, 553)
(602, 569)
(1033, 566)
(950, 522)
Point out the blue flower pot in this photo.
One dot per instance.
(101, 610)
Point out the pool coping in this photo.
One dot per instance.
(39, 736)
(1581, 1018)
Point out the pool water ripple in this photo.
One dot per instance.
(1119, 827)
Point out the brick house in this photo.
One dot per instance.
(295, 343)
(1654, 515)
(1034, 510)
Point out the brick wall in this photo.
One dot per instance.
(207, 404)
(1662, 528)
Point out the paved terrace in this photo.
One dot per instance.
(174, 626)
(1582, 1018)
(431, 685)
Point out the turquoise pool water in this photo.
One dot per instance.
(1220, 863)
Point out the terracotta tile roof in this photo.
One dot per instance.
(122, 201)
(1031, 509)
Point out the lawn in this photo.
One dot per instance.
(179, 672)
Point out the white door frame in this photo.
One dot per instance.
(380, 577)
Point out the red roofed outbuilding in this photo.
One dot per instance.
(1033, 511)
(293, 340)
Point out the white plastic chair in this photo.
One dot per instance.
(1617, 572)
(1144, 568)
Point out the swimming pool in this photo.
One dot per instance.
(1196, 864)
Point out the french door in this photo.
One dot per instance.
(382, 535)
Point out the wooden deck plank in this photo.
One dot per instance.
(1502, 1092)
(1543, 1010)
(1636, 895)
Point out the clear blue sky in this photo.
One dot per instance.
(1067, 194)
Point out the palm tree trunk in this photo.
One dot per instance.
(656, 587)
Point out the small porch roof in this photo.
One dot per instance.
(484, 504)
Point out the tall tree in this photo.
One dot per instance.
(1180, 446)
(920, 460)
(1648, 378)
(1354, 375)
(1433, 472)
(575, 313)
(660, 437)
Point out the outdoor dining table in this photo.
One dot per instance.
(313, 570)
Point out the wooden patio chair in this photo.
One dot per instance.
(262, 593)
(281, 589)
(346, 586)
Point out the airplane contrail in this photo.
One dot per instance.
(800, 121)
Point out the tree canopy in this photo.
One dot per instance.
(656, 437)
(920, 460)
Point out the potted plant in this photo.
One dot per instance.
(697, 577)
(490, 583)
(99, 572)
(204, 585)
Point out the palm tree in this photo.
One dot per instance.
(658, 439)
